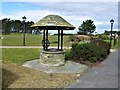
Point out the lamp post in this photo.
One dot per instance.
(24, 19)
(111, 21)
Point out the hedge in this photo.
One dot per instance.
(96, 50)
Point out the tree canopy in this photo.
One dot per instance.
(15, 26)
(87, 27)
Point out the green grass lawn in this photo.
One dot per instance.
(20, 55)
(31, 40)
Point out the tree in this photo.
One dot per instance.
(6, 26)
(15, 26)
(87, 27)
(107, 32)
(28, 26)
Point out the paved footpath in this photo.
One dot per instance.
(30, 47)
(20, 46)
(105, 75)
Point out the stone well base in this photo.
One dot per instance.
(55, 58)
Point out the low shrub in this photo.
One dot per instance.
(103, 37)
(102, 44)
(68, 54)
(97, 50)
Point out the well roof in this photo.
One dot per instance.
(53, 22)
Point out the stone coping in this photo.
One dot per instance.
(52, 52)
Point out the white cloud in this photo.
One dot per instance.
(75, 13)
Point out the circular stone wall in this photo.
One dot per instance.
(52, 58)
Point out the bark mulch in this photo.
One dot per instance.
(14, 76)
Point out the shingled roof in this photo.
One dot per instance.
(54, 21)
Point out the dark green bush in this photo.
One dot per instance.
(68, 54)
(94, 51)
(102, 44)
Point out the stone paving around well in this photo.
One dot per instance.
(103, 76)
(69, 67)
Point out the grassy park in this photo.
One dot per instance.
(20, 55)
(35, 40)
(31, 40)
(15, 57)
(32, 57)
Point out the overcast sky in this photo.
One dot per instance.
(74, 12)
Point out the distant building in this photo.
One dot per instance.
(36, 31)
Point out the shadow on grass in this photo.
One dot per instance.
(54, 42)
(8, 78)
